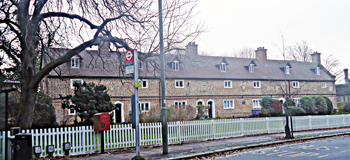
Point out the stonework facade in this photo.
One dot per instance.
(203, 81)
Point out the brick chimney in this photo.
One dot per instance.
(346, 74)
(316, 57)
(192, 50)
(260, 54)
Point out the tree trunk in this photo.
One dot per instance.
(25, 113)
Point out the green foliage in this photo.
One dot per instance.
(321, 105)
(341, 106)
(329, 104)
(294, 111)
(265, 112)
(277, 108)
(88, 99)
(308, 104)
(288, 102)
(347, 107)
(266, 104)
(44, 112)
(201, 110)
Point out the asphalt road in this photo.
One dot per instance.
(337, 148)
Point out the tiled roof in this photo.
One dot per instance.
(204, 67)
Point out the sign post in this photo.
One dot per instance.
(131, 57)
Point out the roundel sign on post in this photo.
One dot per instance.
(129, 56)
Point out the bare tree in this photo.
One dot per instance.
(245, 52)
(299, 52)
(29, 28)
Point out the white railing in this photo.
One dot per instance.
(85, 140)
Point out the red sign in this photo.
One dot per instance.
(129, 56)
(102, 122)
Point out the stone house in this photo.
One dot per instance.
(230, 86)
(343, 90)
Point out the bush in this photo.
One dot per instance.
(321, 105)
(201, 111)
(266, 104)
(277, 108)
(341, 106)
(308, 104)
(347, 107)
(44, 112)
(288, 102)
(294, 111)
(329, 105)
(264, 113)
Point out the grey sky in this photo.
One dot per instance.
(234, 24)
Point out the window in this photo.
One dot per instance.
(175, 65)
(295, 84)
(257, 84)
(75, 62)
(223, 67)
(251, 68)
(324, 85)
(72, 111)
(317, 70)
(228, 84)
(75, 80)
(297, 102)
(180, 104)
(144, 83)
(229, 104)
(287, 70)
(179, 83)
(256, 103)
(145, 106)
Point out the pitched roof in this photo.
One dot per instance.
(204, 67)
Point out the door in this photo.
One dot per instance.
(118, 113)
(210, 104)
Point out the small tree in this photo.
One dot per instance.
(321, 105)
(329, 104)
(347, 107)
(308, 104)
(266, 105)
(88, 99)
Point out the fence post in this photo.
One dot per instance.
(83, 139)
(267, 125)
(242, 129)
(327, 121)
(178, 127)
(213, 128)
(349, 118)
(310, 124)
(343, 119)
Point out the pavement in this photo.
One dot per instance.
(195, 149)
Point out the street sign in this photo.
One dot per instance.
(129, 56)
(129, 69)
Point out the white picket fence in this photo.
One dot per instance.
(85, 140)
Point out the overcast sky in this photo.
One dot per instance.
(234, 24)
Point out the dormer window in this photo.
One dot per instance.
(223, 67)
(75, 62)
(287, 70)
(175, 65)
(251, 68)
(317, 70)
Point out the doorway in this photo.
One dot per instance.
(119, 112)
(211, 109)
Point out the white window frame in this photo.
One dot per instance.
(251, 68)
(142, 106)
(324, 85)
(72, 80)
(144, 80)
(228, 84)
(287, 70)
(75, 62)
(297, 101)
(69, 110)
(256, 103)
(223, 67)
(317, 70)
(230, 103)
(179, 86)
(183, 104)
(257, 84)
(175, 65)
(295, 84)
